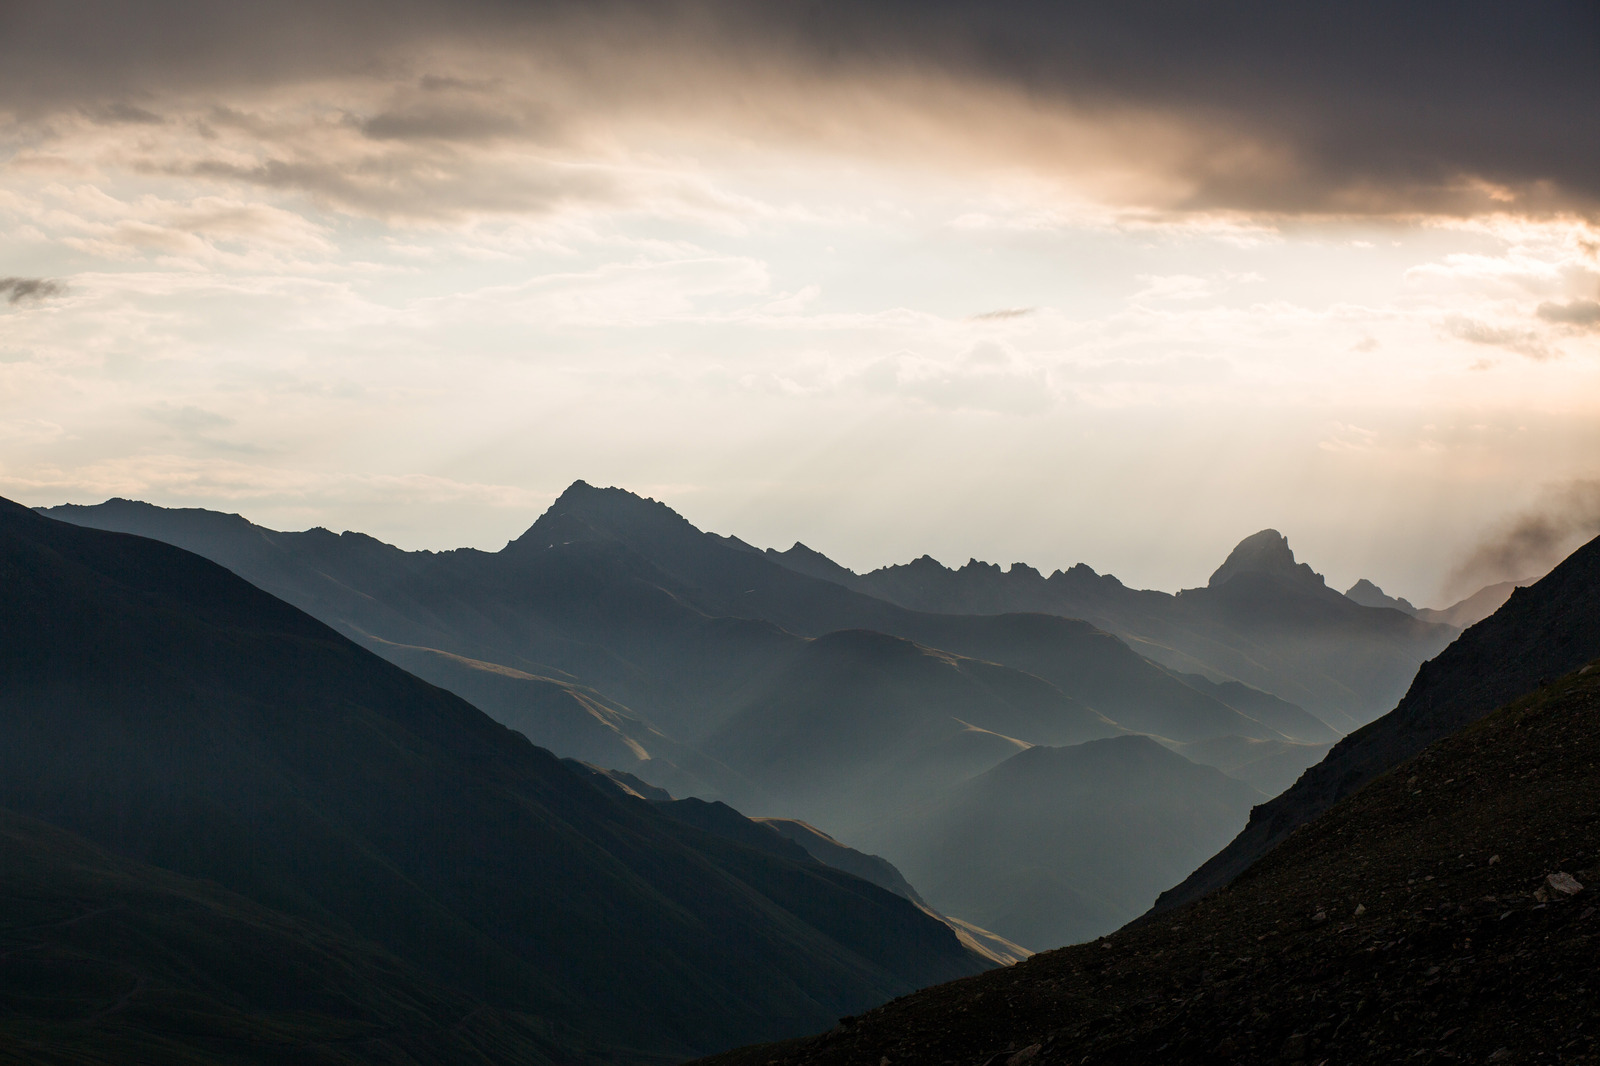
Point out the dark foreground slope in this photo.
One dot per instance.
(1541, 632)
(1416, 918)
(168, 711)
(108, 960)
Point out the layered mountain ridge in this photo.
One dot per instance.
(1263, 619)
(617, 633)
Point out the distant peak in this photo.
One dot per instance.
(1266, 552)
(585, 513)
(1368, 594)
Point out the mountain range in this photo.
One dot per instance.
(231, 833)
(1431, 903)
(1263, 619)
(615, 632)
(263, 841)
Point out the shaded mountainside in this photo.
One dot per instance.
(1270, 766)
(168, 711)
(828, 851)
(1060, 844)
(797, 840)
(1264, 619)
(103, 959)
(1543, 631)
(1442, 913)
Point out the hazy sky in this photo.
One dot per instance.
(1054, 282)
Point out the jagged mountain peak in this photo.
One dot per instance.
(1266, 552)
(584, 512)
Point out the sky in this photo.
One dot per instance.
(1043, 282)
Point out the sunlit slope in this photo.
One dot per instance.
(165, 709)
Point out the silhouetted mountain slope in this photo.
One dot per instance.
(830, 852)
(1543, 631)
(1059, 844)
(1278, 628)
(1367, 594)
(103, 959)
(1476, 607)
(1414, 921)
(1470, 611)
(165, 709)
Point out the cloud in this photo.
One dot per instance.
(123, 113)
(986, 378)
(1513, 339)
(33, 290)
(1255, 105)
(1530, 544)
(180, 479)
(1582, 314)
(1004, 314)
(1173, 287)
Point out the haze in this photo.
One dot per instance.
(1018, 282)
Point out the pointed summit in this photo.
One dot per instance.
(1367, 594)
(584, 513)
(1266, 552)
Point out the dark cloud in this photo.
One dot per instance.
(1528, 546)
(420, 188)
(448, 124)
(1584, 314)
(1360, 106)
(122, 113)
(434, 83)
(18, 290)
